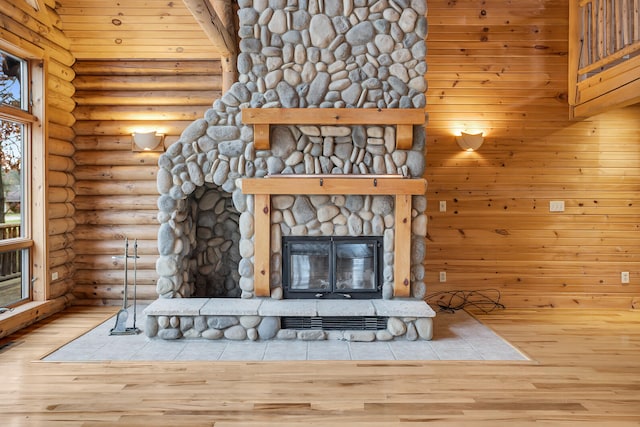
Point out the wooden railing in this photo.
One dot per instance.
(604, 55)
(10, 262)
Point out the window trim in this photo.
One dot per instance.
(36, 235)
(12, 113)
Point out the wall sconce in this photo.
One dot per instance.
(470, 141)
(147, 141)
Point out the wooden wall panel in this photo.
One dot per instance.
(503, 70)
(134, 29)
(115, 187)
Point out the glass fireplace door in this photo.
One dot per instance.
(355, 266)
(310, 266)
(332, 267)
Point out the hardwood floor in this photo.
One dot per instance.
(586, 372)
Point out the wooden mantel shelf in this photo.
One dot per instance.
(264, 188)
(334, 184)
(403, 118)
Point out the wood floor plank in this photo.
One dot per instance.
(585, 370)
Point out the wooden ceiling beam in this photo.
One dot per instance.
(218, 26)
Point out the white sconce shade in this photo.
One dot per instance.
(147, 141)
(470, 141)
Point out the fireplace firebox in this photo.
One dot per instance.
(332, 267)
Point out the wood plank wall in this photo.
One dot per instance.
(24, 27)
(502, 68)
(116, 188)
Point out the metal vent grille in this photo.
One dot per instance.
(335, 323)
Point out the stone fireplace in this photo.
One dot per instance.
(321, 138)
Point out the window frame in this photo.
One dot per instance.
(34, 223)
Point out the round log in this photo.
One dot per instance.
(118, 232)
(127, 127)
(60, 179)
(61, 71)
(60, 195)
(117, 158)
(88, 85)
(114, 247)
(60, 288)
(56, 115)
(131, 173)
(138, 217)
(114, 278)
(61, 257)
(145, 68)
(131, 202)
(115, 261)
(61, 225)
(89, 294)
(114, 188)
(60, 163)
(59, 86)
(137, 112)
(63, 133)
(112, 142)
(61, 241)
(60, 147)
(60, 210)
(61, 101)
(103, 142)
(202, 97)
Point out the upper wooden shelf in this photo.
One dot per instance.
(403, 118)
(334, 184)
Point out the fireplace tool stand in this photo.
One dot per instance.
(121, 318)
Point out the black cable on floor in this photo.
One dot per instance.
(485, 300)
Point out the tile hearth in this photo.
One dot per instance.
(457, 336)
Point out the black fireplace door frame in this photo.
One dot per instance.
(332, 243)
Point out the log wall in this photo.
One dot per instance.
(26, 28)
(503, 70)
(116, 188)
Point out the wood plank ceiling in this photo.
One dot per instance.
(133, 29)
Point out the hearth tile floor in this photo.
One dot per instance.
(457, 336)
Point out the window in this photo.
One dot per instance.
(19, 130)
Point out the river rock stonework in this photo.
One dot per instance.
(294, 54)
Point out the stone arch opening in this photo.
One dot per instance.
(215, 255)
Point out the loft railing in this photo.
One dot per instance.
(604, 55)
(610, 33)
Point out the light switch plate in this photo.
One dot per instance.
(556, 206)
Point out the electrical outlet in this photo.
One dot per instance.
(443, 205)
(443, 276)
(624, 277)
(556, 206)
(54, 275)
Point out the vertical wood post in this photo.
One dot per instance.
(402, 247)
(229, 72)
(262, 245)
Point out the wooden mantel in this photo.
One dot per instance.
(403, 118)
(334, 184)
(401, 188)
